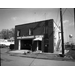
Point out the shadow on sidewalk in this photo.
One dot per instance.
(45, 56)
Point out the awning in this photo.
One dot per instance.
(38, 37)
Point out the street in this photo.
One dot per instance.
(7, 60)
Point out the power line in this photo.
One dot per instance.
(57, 16)
(56, 24)
(70, 13)
(56, 20)
(59, 20)
(35, 16)
(64, 11)
(62, 15)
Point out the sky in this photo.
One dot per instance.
(9, 17)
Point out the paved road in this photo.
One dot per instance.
(8, 60)
(15, 61)
(22, 61)
(40, 62)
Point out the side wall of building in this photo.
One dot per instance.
(57, 38)
(51, 36)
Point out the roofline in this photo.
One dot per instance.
(32, 22)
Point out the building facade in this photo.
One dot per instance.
(35, 36)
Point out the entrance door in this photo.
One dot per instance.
(46, 45)
(39, 45)
(35, 44)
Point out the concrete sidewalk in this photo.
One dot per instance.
(39, 55)
(15, 58)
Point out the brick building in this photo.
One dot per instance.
(35, 36)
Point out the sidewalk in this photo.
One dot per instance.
(39, 55)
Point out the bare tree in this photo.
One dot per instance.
(6, 34)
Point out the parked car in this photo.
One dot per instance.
(5, 43)
(70, 46)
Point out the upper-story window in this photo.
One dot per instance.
(30, 31)
(18, 33)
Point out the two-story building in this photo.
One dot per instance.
(35, 36)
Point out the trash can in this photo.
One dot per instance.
(11, 47)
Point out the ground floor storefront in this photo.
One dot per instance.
(30, 43)
(34, 43)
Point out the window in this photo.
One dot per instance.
(18, 33)
(29, 31)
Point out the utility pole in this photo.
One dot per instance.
(74, 12)
(74, 17)
(62, 36)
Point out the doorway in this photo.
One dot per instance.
(26, 44)
(36, 45)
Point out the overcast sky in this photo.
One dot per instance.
(15, 16)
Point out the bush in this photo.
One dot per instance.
(71, 53)
(69, 46)
(2, 46)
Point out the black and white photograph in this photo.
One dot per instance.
(37, 37)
